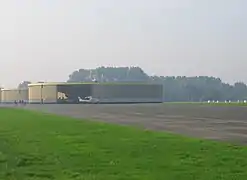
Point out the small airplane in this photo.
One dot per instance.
(88, 100)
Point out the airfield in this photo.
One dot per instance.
(168, 143)
(215, 122)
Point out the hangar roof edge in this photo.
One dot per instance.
(105, 83)
(13, 89)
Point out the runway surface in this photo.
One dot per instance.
(225, 123)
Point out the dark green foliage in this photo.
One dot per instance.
(109, 74)
(24, 85)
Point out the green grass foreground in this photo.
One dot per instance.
(35, 146)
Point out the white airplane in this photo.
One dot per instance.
(88, 100)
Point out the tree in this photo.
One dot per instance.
(240, 91)
(24, 85)
(109, 74)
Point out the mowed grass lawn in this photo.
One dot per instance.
(46, 147)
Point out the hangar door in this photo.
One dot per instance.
(72, 93)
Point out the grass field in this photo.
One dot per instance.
(46, 147)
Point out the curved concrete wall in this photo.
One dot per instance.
(11, 95)
(45, 94)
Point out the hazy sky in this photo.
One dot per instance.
(48, 39)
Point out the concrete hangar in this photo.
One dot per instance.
(11, 95)
(104, 92)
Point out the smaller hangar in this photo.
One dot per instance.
(12, 95)
(104, 92)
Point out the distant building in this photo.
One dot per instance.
(104, 92)
(12, 95)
